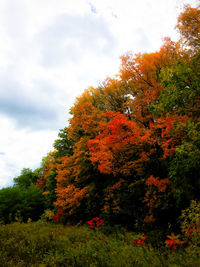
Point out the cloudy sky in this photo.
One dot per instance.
(51, 50)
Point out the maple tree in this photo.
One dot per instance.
(75, 174)
(189, 28)
(142, 73)
(131, 149)
(46, 180)
(48, 170)
(181, 98)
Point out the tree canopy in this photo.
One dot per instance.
(131, 150)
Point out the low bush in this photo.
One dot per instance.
(47, 244)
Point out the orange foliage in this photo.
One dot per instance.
(72, 168)
(86, 116)
(141, 72)
(69, 168)
(172, 132)
(155, 195)
(124, 146)
(120, 140)
(189, 27)
(70, 197)
(112, 198)
(149, 219)
(160, 184)
(112, 128)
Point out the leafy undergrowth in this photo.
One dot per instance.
(46, 244)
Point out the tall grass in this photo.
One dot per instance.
(45, 244)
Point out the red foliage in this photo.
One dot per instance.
(174, 241)
(58, 215)
(95, 222)
(140, 240)
(39, 183)
(123, 137)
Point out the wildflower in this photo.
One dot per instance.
(95, 222)
(170, 243)
(190, 230)
(140, 240)
(173, 241)
(59, 213)
(91, 224)
(55, 218)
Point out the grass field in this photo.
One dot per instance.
(46, 244)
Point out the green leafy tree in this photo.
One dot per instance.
(184, 168)
(182, 90)
(27, 177)
(63, 145)
(21, 203)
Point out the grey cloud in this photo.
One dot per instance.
(29, 107)
(69, 38)
(66, 41)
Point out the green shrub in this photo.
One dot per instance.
(20, 203)
(47, 244)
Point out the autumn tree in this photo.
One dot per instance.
(142, 74)
(189, 27)
(181, 97)
(80, 185)
(75, 173)
(48, 170)
(131, 148)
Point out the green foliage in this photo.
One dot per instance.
(20, 203)
(190, 226)
(182, 89)
(45, 244)
(27, 177)
(48, 215)
(190, 217)
(63, 145)
(184, 168)
(181, 96)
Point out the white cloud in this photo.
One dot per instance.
(51, 50)
(71, 39)
(21, 148)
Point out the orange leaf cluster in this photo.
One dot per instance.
(160, 184)
(70, 197)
